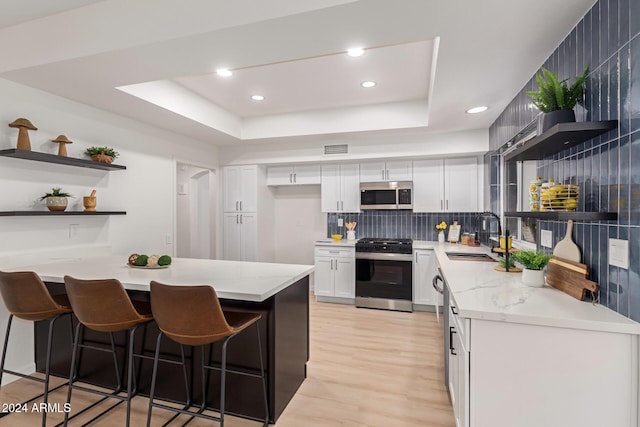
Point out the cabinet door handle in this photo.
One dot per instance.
(331, 264)
(337, 205)
(336, 265)
(416, 254)
(382, 172)
(237, 222)
(240, 218)
(387, 174)
(295, 177)
(447, 204)
(240, 204)
(290, 178)
(341, 206)
(451, 347)
(441, 205)
(454, 311)
(236, 205)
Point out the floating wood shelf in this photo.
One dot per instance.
(52, 158)
(60, 213)
(558, 138)
(563, 216)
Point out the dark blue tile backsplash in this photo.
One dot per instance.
(399, 224)
(607, 168)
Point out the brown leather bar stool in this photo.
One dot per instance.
(104, 306)
(192, 315)
(26, 297)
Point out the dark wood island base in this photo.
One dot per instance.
(284, 324)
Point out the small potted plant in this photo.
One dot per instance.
(56, 199)
(556, 99)
(533, 263)
(102, 154)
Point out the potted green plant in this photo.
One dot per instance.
(556, 99)
(102, 154)
(56, 199)
(533, 263)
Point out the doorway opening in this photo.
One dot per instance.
(195, 211)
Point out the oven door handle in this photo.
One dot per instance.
(438, 278)
(384, 256)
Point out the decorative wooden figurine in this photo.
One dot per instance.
(63, 141)
(23, 126)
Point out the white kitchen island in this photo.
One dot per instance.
(521, 356)
(280, 292)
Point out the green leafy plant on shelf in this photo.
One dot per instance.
(533, 260)
(554, 94)
(502, 262)
(107, 151)
(55, 192)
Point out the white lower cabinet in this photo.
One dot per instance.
(335, 272)
(424, 268)
(525, 375)
(240, 241)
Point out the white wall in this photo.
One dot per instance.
(145, 190)
(298, 223)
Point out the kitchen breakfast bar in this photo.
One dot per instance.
(280, 292)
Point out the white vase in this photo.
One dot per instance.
(351, 235)
(56, 203)
(441, 237)
(533, 277)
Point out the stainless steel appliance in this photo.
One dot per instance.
(384, 274)
(386, 195)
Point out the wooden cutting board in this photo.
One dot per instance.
(570, 277)
(566, 248)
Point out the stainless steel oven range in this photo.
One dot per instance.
(384, 274)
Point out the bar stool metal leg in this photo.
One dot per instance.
(264, 382)
(45, 394)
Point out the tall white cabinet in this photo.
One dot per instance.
(446, 185)
(248, 214)
(340, 189)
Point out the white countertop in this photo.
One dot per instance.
(480, 292)
(245, 281)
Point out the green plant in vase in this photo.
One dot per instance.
(102, 154)
(56, 199)
(556, 98)
(533, 263)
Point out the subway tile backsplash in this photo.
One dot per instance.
(607, 168)
(399, 224)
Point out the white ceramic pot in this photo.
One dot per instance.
(351, 235)
(441, 237)
(56, 203)
(533, 277)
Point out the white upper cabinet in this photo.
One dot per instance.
(240, 188)
(449, 185)
(340, 190)
(397, 170)
(293, 175)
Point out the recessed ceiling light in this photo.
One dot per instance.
(223, 72)
(257, 97)
(368, 84)
(476, 110)
(355, 52)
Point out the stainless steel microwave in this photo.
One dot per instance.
(386, 195)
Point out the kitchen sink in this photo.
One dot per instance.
(466, 256)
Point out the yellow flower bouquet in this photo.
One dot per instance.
(441, 227)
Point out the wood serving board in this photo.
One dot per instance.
(570, 277)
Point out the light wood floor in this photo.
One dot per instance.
(368, 368)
